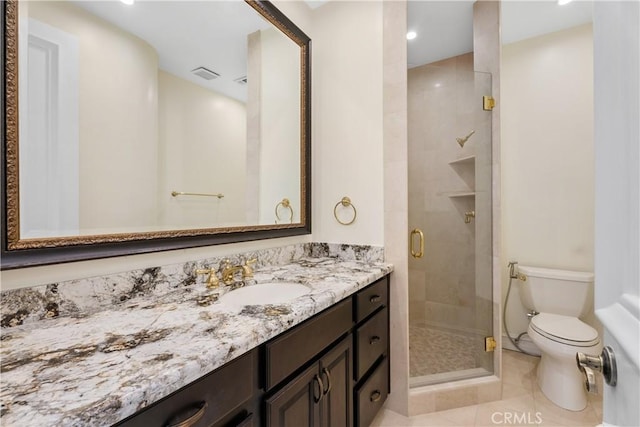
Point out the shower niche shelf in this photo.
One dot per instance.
(464, 161)
(465, 167)
(460, 194)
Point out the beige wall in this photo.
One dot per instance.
(118, 119)
(547, 156)
(202, 149)
(347, 120)
(254, 89)
(279, 125)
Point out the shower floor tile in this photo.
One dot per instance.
(435, 351)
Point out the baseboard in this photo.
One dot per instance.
(525, 343)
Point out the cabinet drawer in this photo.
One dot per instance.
(216, 397)
(291, 350)
(371, 342)
(372, 394)
(370, 299)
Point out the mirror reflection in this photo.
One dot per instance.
(156, 115)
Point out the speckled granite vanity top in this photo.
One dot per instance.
(93, 353)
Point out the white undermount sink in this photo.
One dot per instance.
(265, 293)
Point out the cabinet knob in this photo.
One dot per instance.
(375, 396)
(374, 299)
(374, 339)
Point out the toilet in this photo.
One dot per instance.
(561, 298)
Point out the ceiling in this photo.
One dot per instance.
(190, 34)
(212, 34)
(445, 28)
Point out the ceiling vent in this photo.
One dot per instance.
(241, 80)
(205, 73)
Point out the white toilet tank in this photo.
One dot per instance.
(565, 292)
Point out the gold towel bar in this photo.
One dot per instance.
(182, 193)
(346, 202)
(285, 203)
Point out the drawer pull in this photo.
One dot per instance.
(201, 409)
(374, 339)
(318, 381)
(326, 372)
(374, 299)
(375, 396)
(247, 422)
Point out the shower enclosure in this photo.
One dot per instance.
(450, 280)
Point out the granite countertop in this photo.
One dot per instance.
(99, 367)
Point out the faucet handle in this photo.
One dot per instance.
(212, 280)
(247, 269)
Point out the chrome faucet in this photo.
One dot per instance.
(228, 270)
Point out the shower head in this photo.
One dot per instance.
(462, 140)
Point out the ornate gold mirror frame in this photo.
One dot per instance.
(17, 252)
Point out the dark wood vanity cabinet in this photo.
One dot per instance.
(347, 382)
(224, 398)
(371, 338)
(319, 396)
(331, 370)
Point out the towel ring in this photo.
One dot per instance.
(285, 203)
(346, 202)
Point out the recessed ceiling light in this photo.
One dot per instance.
(411, 35)
(563, 2)
(128, 2)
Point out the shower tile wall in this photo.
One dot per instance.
(442, 284)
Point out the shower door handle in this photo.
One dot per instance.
(420, 234)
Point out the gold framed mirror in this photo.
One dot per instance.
(117, 140)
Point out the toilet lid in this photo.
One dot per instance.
(564, 329)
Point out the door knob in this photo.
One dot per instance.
(605, 364)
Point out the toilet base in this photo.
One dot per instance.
(562, 383)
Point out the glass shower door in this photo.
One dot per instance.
(450, 286)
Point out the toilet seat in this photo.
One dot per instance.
(564, 329)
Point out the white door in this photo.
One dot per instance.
(617, 148)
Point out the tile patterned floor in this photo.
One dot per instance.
(522, 404)
(433, 351)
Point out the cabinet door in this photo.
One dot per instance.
(296, 404)
(336, 374)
